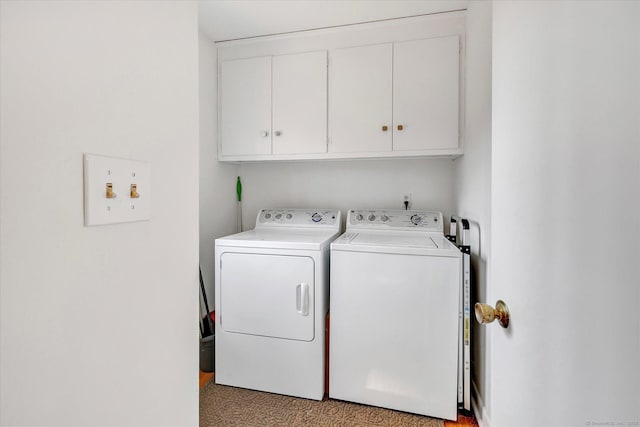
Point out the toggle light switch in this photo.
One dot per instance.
(110, 194)
(107, 177)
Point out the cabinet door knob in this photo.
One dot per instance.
(400, 127)
(385, 128)
(278, 133)
(265, 133)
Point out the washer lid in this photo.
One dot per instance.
(402, 242)
(409, 240)
(280, 238)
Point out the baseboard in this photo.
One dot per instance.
(477, 405)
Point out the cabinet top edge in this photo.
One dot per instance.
(329, 158)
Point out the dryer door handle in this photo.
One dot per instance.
(302, 299)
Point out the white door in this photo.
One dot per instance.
(565, 215)
(245, 106)
(426, 94)
(300, 103)
(267, 295)
(360, 99)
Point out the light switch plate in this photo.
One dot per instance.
(99, 171)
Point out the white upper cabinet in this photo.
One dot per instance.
(392, 88)
(274, 105)
(423, 103)
(245, 107)
(300, 103)
(360, 101)
(426, 94)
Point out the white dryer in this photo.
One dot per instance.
(395, 283)
(271, 299)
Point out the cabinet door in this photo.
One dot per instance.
(426, 94)
(245, 106)
(360, 99)
(300, 103)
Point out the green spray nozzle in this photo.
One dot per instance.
(239, 189)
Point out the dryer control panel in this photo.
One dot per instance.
(284, 217)
(395, 219)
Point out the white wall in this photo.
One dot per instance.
(565, 213)
(346, 185)
(98, 324)
(218, 200)
(473, 175)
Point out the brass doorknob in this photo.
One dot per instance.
(487, 314)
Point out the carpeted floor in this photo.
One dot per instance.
(230, 406)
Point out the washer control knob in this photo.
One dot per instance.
(417, 220)
(384, 218)
(359, 217)
(371, 217)
(316, 217)
(267, 215)
(279, 216)
(289, 216)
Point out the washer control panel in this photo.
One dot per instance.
(395, 219)
(298, 217)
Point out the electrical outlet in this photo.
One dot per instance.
(115, 190)
(406, 200)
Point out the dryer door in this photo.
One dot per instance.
(267, 295)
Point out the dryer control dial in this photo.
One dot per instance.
(359, 217)
(384, 218)
(371, 217)
(417, 219)
(316, 217)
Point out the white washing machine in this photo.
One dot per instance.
(272, 297)
(395, 286)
